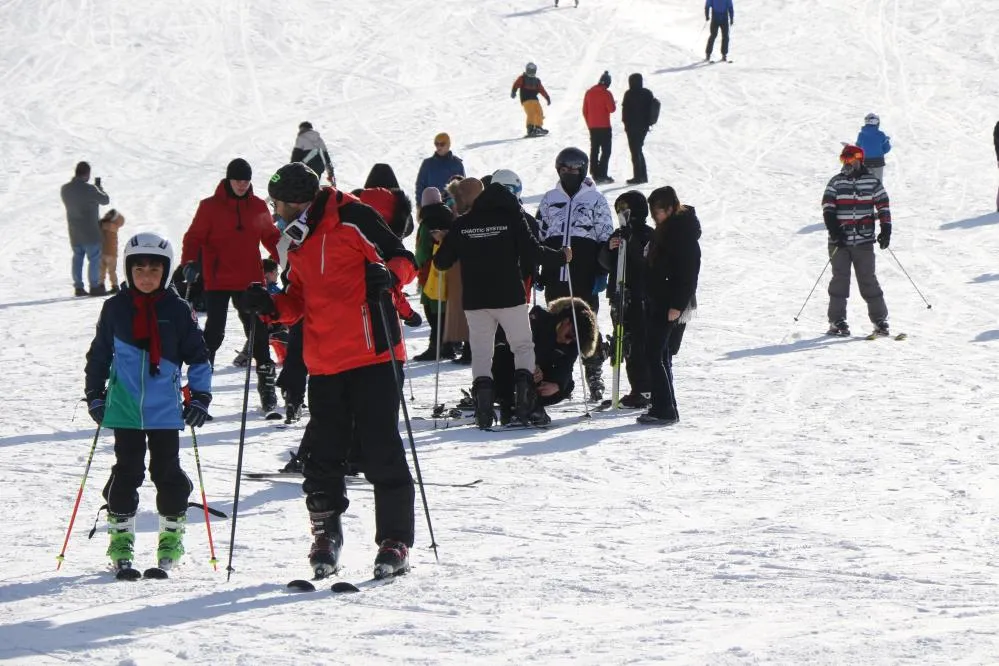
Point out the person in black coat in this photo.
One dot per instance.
(554, 332)
(995, 140)
(636, 112)
(493, 242)
(638, 235)
(672, 265)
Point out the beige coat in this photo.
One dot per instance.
(110, 224)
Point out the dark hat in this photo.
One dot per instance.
(238, 169)
(605, 79)
(304, 126)
(295, 182)
(381, 175)
(635, 202)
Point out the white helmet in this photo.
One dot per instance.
(509, 180)
(872, 119)
(148, 245)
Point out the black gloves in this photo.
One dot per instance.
(379, 279)
(257, 301)
(884, 238)
(707, 16)
(196, 411)
(95, 405)
(837, 236)
(413, 320)
(190, 272)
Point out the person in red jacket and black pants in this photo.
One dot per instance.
(344, 262)
(225, 238)
(598, 105)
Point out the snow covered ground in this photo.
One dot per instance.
(822, 502)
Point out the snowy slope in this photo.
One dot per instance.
(822, 501)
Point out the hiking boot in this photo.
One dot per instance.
(839, 328)
(392, 559)
(266, 381)
(635, 400)
(482, 393)
(170, 547)
(327, 533)
(79, 291)
(121, 540)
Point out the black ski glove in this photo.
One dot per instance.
(379, 279)
(413, 320)
(96, 409)
(196, 411)
(884, 238)
(257, 300)
(837, 236)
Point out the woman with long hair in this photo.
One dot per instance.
(673, 263)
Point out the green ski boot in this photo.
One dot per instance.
(121, 540)
(171, 543)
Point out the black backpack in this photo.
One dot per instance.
(654, 108)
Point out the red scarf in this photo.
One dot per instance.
(145, 327)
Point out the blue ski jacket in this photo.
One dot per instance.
(720, 9)
(875, 144)
(436, 171)
(135, 398)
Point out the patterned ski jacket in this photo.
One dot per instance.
(583, 221)
(875, 144)
(135, 398)
(311, 149)
(852, 202)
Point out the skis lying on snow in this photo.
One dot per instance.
(351, 480)
(131, 573)
(875, 336)
(342, 586)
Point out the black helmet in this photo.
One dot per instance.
(576, 159)
(294, 183)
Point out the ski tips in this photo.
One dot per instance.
(301, 586)
(344, 586)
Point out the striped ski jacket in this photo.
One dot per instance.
(853, 202)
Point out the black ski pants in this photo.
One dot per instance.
(635, 362)
(636, 141)
(717, 25)
(173, 487)
(294, 374)
(657, 350)
(217, 311)
(359, 408)
(600, 150)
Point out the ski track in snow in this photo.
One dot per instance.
(823, 501)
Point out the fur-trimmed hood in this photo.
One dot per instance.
(586, 321)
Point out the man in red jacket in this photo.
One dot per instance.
(598, 105)
(225, 238)
(344, 262)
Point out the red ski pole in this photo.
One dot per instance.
(204, 501)
(79, 496)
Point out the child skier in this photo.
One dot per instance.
(144, 334)
(875, 144)
(530, 87)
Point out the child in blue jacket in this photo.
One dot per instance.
(875, 144)
(144, 334)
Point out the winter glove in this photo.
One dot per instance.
(257, 300)
(837, 236)
(379, 279)
(196, 411)
(884, 238)
(413, 320)
(190, 272)
(96, 409)
(707, 17)
(600, 284)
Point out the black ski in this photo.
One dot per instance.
(127, 573)
(343, 587)
(273, 415)
(875, 336)
(351, 480)
(155, 573)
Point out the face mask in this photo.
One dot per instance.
(571, 181)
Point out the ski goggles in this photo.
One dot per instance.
(570, 168)
(515, 190)
(297, 231)
(850, 158)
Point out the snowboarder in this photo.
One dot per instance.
(311, 149)
(875, 144)
(437, 170)
(672, 267)
(81, 200)
(344, 262)
(110, 224)
(598, 105)
(495, 244)
(530, 87)
(144, 334)
(555, 353)
(636, 113)
(721, 13)
(575, 214)
(853, 200)
(224, 238)
(638, 234)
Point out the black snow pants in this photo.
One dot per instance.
(173, 487)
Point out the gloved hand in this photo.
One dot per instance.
(884, 238)
(707, 17)
(257, 300)
(731, 21)
(379, 279)
(513, 95)
(600, 284)
(413, 320)
(196, 411)
(837, 236)
(96, 409)
(190, 272)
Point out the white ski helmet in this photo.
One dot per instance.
(509, 180)
(531, 69)
(148, 245)
(872, 119)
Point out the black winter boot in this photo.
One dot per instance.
(482, 393)
(266, 382)
(594, 370)
(524, 395)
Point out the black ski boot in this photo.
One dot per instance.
(594, 371)
(839, 329)
(327, 533)
(524, 395)
(266, 381)
(539, 417)
(292, 408)
(482, 392)
(392, 559)
(294, 466)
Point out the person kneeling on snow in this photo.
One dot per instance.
(554, 331)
